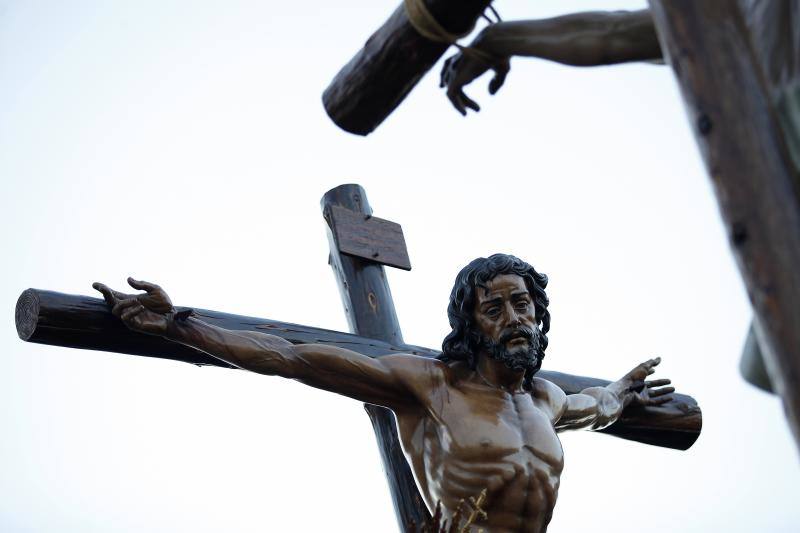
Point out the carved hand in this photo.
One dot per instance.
(641, 392)
(147, 313)
(462, 68)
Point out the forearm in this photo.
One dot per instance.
(322, 366)
(610, 403)
(266, 354)
(580, 39)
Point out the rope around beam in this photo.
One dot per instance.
(426, 25)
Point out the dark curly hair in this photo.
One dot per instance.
(464, 341)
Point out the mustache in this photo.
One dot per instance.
(521, 331)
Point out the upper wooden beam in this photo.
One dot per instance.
(377, 79)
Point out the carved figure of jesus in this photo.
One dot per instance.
(475, 418)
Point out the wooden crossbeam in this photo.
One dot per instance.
(84, 322)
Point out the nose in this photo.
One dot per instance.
(512, 316)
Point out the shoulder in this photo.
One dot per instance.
(545, 389)
(550, 395)
(424, 377)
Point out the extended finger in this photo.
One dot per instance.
(661, 392)
(658, 382)
(108, 294)
(651, 364)
(470, 103)
(498, 81)
(661, 400)
(456, 101)
(143, 285)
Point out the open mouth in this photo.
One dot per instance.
(517, 335)
(518, 339)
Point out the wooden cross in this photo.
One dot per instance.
(360, 245)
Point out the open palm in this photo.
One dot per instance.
(146, 312)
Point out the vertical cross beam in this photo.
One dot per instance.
(726, 88)
(370, 312)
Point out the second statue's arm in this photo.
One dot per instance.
(599, 407)
(579, 39)
(379, 381)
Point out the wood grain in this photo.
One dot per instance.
(367, 237)
(726, 94)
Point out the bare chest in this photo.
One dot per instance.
(476, 439)
(479, 424)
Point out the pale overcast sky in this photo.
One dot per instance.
(185, 143)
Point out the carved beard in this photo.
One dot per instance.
(517, 360)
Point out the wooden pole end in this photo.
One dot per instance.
(26, 314)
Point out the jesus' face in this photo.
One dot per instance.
(506, 319)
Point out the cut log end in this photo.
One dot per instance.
(26, 314)
(355, 125)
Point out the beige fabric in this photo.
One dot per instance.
(426, 25)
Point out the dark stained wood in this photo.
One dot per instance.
(54, 318)
(59, 319)
(726, 92)
(370, 312)
(377, 79)
(370, 238)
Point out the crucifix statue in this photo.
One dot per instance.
(477, 422)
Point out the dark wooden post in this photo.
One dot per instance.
(370, 313)
(725, 87)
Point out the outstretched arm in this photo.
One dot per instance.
(379, 381)
(599, 407)
(579, 39)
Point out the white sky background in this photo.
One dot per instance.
(185, 143)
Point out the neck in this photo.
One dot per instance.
(497, 374)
